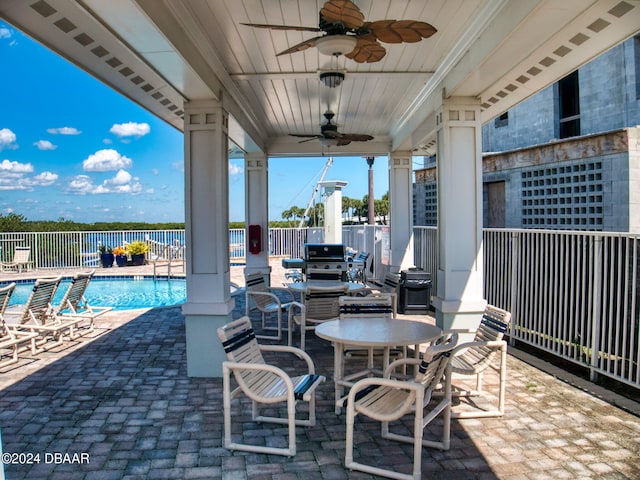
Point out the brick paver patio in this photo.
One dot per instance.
(123, 401)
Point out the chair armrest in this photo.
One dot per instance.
(399, 363)
(265, 294)
(382, 382)
(493, 344)
(298, 352)
(283, 290)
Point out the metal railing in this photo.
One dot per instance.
(572, 294)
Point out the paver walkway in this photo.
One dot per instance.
(124, 402)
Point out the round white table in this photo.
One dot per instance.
(371, 332)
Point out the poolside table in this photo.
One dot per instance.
(371, 332)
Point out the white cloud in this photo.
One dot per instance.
(64, 131)
(7, 138)
(81, 184)
(15, 176)
(106, 160)
(234, 169)
(45, 179)
(7, 166)
(45, 145)
(5, 32)
(122, 182)
(130, 129)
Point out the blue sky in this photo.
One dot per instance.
(70, 147)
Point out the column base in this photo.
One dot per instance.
(463, 316)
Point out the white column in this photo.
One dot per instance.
(256, 193)
(333, 210)
(459, 300)
(209, 303)
(401, 211)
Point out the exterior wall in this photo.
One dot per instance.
(590, 182)
(609, 89)
(529, 123)
(585, 183)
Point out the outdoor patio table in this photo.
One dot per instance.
(371, 332)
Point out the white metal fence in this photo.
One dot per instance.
(572, 294)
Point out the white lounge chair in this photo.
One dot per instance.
(74, 305)
(11, 342)
(387, 400)
(37, 316)
(264, 384)
(20, 260)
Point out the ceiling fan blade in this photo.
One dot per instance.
(367, 51)
(344, 12)
(343, 141)
(282, 27)
(304, 135)
(400, 31)
(356, 137)
(300, 46)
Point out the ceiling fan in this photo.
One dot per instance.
(346, 33)
(330, 136)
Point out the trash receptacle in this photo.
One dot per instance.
(415, 290)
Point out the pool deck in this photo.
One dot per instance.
(122, 396)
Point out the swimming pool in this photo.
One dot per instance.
(123, 293)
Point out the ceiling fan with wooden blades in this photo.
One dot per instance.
(346, 33)
(330, 136)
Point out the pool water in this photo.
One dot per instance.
(121, 294)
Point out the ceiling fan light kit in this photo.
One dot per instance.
(336, 45)
(332, 79)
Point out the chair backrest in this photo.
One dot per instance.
(323, 303)
(240, 345)
(390, 282)
(5, 296)
(495, 322)
(324, 274)
(74, 296)
(435, 360)
(362, 257)
(38, 306)
(372, 306)
(255, 282)
(21, 254)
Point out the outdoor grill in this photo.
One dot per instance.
(415, 290)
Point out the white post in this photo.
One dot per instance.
(209, 303)
(333, 210)
(401, 211)
(256, 191)
(459, 300)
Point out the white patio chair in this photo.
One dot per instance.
(11, 341)
(321, 304)
(264, 384)
(389, 287)
(259, 295)
(74, 305)
(372, 306)
(319, 275)
(475, 357)
(37, 316)
(20, 259)
(387, 400)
